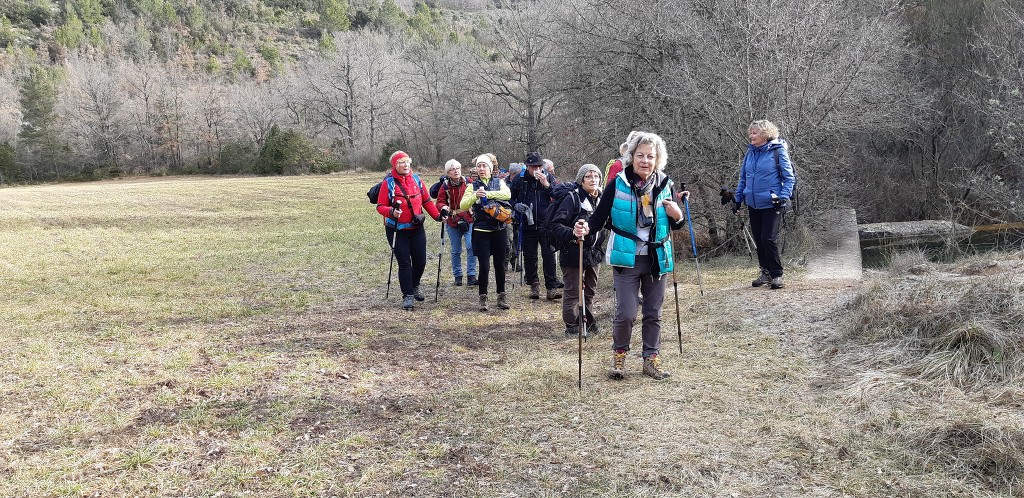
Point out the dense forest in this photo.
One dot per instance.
(903, 109)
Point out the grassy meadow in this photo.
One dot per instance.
(229, 337)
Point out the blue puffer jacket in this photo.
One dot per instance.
(759, 177)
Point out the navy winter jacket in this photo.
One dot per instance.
(528, 190)
(759, 177)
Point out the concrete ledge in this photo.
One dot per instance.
(837, 253)
(910, 232)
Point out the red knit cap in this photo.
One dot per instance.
(397, 156)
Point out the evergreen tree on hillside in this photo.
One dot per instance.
(38, 138)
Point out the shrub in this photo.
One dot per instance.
(286, 152)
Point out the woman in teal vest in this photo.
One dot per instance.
(640, 209)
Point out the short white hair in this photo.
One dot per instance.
(642, 137)
(451, 164)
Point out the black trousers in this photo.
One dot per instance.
(764, 226)
(488, 245)
(531, 239)
(411, 255)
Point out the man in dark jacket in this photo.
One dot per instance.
(578, 203)
(531, 196)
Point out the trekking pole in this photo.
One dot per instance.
(693, 244)
(440, 250)
(519, 255)
(675, 289)
(582, 331)
(749, 239)
(394, 236)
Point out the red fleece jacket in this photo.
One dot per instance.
(418, 199)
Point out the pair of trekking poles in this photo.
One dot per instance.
(391, 266)
(675, 287)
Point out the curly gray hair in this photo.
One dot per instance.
(636, 138)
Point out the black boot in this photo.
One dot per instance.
(458, 281)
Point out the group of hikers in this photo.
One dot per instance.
(624, 218)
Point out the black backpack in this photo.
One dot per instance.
(374, 191)
(559, 192)
(436, 188)
(794, 199)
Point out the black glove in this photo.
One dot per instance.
(736, 207)
(445, 212)
(726, 196)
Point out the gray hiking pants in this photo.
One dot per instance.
(627, 282)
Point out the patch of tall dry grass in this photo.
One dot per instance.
(932, 367)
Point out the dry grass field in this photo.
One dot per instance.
(229, 337)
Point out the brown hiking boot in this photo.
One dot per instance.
(535, 290)
(483, 302)
(554, 294)
(618, 362)
(652, 368)
(501, 301)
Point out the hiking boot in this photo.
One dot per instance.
(652, 368)
(763, 279)
(618, 362)
(471, 281)
(407, 303)
(418, 294)
(777, 283)
(572, 330)
(501, 301)
(592, 330)
(554, 294)
(458, 281)
(483, 302)
(535, 290)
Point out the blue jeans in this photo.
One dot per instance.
(458, 240)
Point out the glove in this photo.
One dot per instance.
(525, 210)
(736, 207)
(726, 196)
(445, 212)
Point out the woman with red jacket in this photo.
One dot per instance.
(401, 202)
(460, 224)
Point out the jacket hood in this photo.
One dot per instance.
(774, 144)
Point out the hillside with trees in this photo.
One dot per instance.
(903, 109)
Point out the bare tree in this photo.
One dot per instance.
(10, 113)
(93, 102)
(523, 70)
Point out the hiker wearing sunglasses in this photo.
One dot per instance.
(402, 204)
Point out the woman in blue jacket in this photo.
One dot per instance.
(765, 186)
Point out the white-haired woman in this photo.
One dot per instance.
(639, 208)
(488, 233)
(460, 224)
(765, 185)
